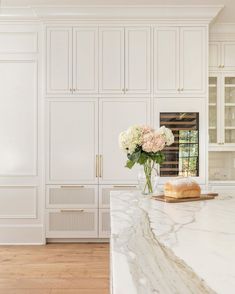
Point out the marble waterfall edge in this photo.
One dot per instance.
(171, 248)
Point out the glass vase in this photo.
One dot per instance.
(148, 178)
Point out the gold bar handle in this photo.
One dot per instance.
(72, 210)
(71, 187)
(97, 166)
(100, 166)
(124, 186)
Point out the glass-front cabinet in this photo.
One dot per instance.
(221, 110)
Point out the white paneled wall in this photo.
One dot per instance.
(21, 126)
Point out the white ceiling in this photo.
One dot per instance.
(226, 16)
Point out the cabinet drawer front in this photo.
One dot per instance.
(104, 196)
(104, 223)
(72, 223)
(72, 196)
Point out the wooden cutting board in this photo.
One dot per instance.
(203, 197)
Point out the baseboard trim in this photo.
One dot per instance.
(77, 240)
(22, 235)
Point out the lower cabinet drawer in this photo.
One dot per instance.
(104, 223)
(72, 223)
(72, 196)
(104, 194)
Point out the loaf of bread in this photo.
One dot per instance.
(182, 188)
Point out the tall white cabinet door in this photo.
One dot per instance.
(18, 117)
(137, 60)
(193, 67)
(85, 60)
(166, 60)
(115, 116)
(72, 141)
(214, 55)
(228, 56)
(59, 60)
(111, 59)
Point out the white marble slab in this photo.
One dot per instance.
(171, 248)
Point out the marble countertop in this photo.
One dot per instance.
(170, 248)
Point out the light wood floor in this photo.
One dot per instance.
(55, 269)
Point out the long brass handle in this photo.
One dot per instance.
(100, 166)
(97, 166)
(71, 187)
(72, 210)
(124, 186)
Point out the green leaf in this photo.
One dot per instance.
(130, 164)
(143, 158)
(135, 156)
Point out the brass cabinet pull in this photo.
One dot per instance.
(100, 166)
(71, 187)
(182, 89)
(124, 186)
(72, 210)
(178, 89)
(97, 166)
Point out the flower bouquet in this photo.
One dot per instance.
(144, 146)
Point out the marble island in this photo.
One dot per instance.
(171, 248)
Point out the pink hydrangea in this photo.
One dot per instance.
(153, 142)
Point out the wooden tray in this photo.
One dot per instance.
(203, 197)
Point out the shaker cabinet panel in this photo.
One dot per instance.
(115, 116)
(192, 60)
(59, 60)
(72, 141)
(111, 58)
(166, 60)
(85, 60)
(137, 60)
(228, 52)
(214, 55)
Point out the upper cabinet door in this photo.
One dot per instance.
(166, 60)
(85, 60)
(72, 140)
(228, 56)
(214, 55)
(193, 60)
(59, 60)
(111, 58)
(137, 60)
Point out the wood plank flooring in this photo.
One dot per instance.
(55, 269)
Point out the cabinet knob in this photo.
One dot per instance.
(126, 90)
(222, 65)
(178, 89)
(71, 90)
(182, 89)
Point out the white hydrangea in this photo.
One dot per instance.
(130, 139)
(167, 133)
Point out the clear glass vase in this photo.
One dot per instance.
(148, 178)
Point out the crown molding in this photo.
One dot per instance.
(202, 13)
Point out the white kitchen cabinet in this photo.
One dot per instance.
(72, 223)
(193, 48)
(222, 56)
(104, 223)
(85, 60)
(125, 56)
(115, 116)
(137, 60)
(72, 60)
(175, 70)
(111, 57)
(222, 111)
(166, 60)
(72, 196)
(72, 141)
(59, 60)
